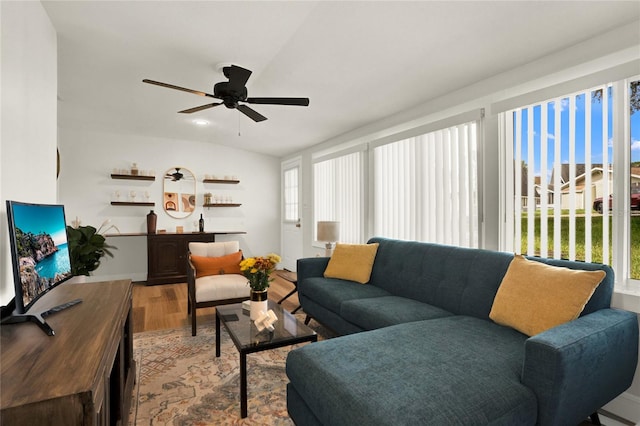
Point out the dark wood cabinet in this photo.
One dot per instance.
(84, 375)
(167, 256)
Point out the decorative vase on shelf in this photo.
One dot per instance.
(152, 219)
(258, 303)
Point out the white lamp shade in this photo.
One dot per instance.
(328, 231)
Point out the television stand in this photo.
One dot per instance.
(38, 318)
(85, 376)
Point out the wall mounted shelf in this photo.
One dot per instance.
(132, 203)
(222, 205)
(132, 177)
(220, 181)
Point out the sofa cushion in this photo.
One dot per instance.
(352, 262)
(331, 292)
(534, 297)
(454, 370)
(227, 264)
(378, 312)
(460, 280)
(220, 287)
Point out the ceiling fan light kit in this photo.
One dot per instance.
(233, 94)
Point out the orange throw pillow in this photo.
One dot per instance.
(228, 264)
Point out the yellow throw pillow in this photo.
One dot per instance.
(352, 262)
(534, 297)
(228, 264)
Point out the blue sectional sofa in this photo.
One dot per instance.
(417, 346)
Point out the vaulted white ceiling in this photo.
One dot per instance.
(358, 62)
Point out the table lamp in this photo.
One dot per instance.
(329, 232)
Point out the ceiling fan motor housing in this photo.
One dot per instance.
(230, 95)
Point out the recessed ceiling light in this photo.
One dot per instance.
(200, 122)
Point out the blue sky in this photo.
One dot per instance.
(596, 133)
(41, 218)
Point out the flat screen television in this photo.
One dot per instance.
(40, 257)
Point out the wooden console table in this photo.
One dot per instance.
(82, 375)
(167, 253)
(167, 256)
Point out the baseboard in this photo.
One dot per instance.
(626, 406)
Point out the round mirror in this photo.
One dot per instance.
(179, 198)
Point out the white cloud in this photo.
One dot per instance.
(635, 145)
(564, 104)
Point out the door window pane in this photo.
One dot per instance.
(291, 203)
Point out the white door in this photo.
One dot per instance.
(291, 224)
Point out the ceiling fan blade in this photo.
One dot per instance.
(279, 101)
(199, 108)
(172, 86)
(237, 76)
(252, 114)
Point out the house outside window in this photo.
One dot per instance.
(570, 156)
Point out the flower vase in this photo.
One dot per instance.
(258, 304)
(152, 219)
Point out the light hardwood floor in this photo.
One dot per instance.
(165, 306)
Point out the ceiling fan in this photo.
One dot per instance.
(233, 94)
(175, 176)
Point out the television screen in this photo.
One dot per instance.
(39, 250)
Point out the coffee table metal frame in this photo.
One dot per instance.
(235, 320)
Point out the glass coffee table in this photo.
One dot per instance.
(244, 334)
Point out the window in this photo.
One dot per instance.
(291, 202)
(566, 160)
(425, 187)
(633, 149)
(339, 196)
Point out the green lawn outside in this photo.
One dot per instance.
(596, 239)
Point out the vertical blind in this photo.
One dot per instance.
(426, 187)
(560, 151)
(338, 194)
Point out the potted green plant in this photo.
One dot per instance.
(86, 247)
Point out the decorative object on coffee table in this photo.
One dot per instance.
(265, 320)
(258, 301)
(258, 271)
(329, 232)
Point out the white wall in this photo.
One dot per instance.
(28, 86)
(86, 190)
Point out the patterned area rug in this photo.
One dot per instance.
(181, 382)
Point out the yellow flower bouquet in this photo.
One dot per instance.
(258, 269)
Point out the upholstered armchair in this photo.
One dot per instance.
(214, 277)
